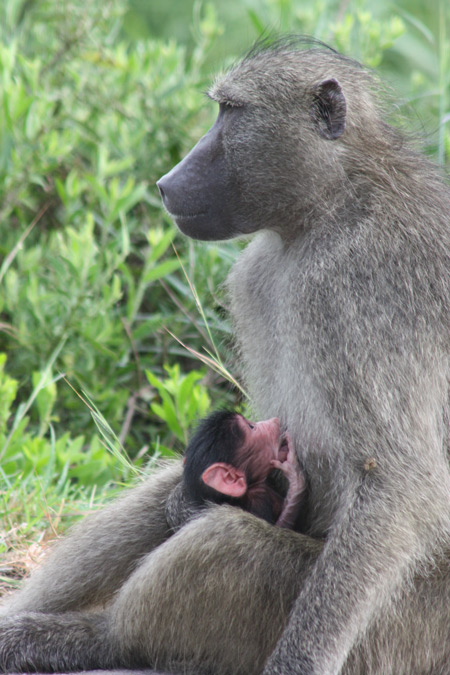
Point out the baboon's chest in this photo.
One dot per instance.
(272, 296)
(260, 309)
(282, 335)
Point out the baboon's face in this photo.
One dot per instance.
(199, 192)
(257, 165)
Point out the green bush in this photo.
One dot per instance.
(102, 321)
(89, 122)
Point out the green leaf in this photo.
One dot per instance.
(125, 204)
(159, 242)
(256, 21)
(161, 270)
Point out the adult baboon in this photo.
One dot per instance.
(341, 309)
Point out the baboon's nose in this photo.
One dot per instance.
(161, 189)
(170, 192)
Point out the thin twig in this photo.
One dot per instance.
(211, 362)
(131, 409)
(199, 305)
(127, 329)
(79, 395)
(184, 311)
(10, 257)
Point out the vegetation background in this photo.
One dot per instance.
(114, 337)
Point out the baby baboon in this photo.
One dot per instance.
(341, 311)
(229, 461)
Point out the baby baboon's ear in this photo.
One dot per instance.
(329, 109)
(226, 479)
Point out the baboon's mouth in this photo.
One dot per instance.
(187, 216)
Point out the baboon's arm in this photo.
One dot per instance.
(370, 552)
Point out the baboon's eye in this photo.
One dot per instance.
(224, 106)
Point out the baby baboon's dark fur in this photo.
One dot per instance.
(341, 310)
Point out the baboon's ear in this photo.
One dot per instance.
(329, 109)
(226, 479)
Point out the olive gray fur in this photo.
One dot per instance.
(341, 312)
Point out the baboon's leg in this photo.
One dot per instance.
(92, 562)
(214, 598)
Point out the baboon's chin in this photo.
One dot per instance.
(204, 227)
